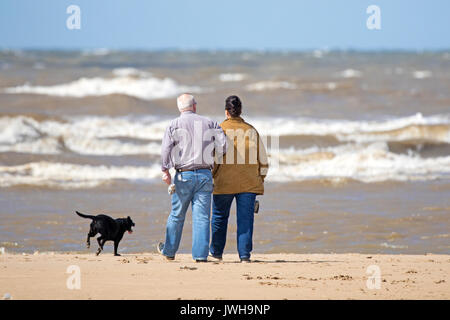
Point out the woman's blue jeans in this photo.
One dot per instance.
(245, 204)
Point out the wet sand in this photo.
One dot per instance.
(386, 218)
(270, 276)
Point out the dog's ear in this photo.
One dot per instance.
(128, 218)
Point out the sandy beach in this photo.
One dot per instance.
(270, 276)
(100, 100)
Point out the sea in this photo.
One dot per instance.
(359, 148)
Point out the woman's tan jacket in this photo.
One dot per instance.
(245, 164)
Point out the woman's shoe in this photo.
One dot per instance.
(219, 258)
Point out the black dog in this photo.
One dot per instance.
(109, 229)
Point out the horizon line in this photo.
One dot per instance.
(200, 49)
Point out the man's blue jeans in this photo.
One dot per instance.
(245, 203)
(191, 187)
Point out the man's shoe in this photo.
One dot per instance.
(219, 258)
(160, 248)
(245, 260)
(201, 260)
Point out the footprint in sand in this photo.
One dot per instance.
(342, 277)
(273, 277)
(143, 260)
(411, 271)
(187, 268)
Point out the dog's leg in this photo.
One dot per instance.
(116, 245)
(92, 233)
(89, 236)
(101, 242)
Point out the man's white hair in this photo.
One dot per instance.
(186, 102)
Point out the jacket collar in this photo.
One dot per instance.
(235, 119)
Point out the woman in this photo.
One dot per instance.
(239, 175)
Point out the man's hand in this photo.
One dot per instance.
(166, 177)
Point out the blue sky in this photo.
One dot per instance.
(230, 24)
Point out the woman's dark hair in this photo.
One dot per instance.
(234, 106)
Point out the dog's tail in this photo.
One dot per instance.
(85, 215)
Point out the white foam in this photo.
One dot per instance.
(65, 175)
(232, 77)
(422, 74)
(46, 145)
(349, 73)
(125, 82)
(100, 135)
(84, 135)
(372, 163)
(16, 129)
(130, 72)
(110, 147)
(365, 163)
(320, 86)
(270, 85)
(361, 131)
(393, 246)
(149, 128)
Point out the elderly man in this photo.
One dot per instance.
(189, 145)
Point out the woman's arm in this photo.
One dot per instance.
(262, 159)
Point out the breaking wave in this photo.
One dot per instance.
(372, 163)
(85, 135)
(68, 176)
(270, 85)
(363, 153)
(232, 77)
(365, 163)
(104, 135)
(349, 73)
(417, 127)
(126, 81)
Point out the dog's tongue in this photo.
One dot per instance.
(130, 232)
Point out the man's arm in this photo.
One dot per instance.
(166, 160)
(220, 141)
(220, 147)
